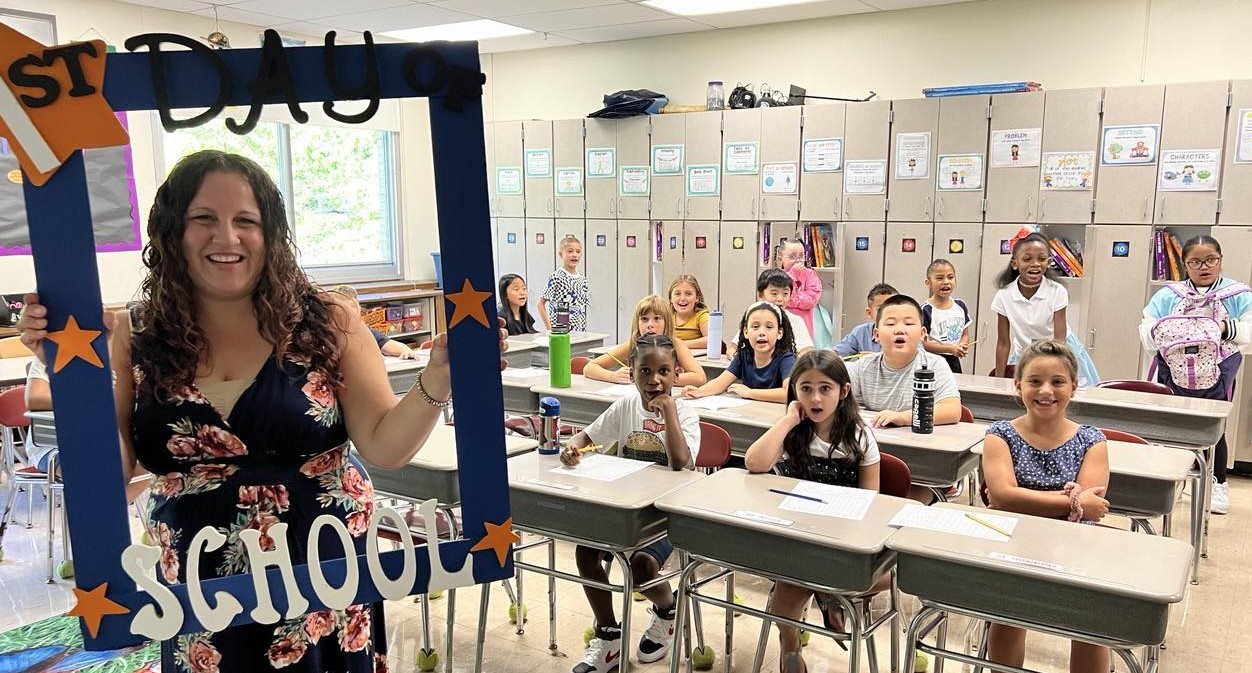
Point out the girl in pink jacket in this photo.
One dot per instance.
(806, 289)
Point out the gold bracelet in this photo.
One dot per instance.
(421, 391)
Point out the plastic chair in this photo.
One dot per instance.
(577, 363)
(1137, 386)
(12, 347)
(13, 419)
(967, 416)
(1122, 436)
(1009, 371)
(426, 344)
(714, 447)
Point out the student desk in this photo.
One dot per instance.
(13, 370)
(580, 343)
(713, 368)
(402, 373)
(601, 350)
(1083, 582)
(936, 460)
(519, 354)
(732, 520)
(585, 399)
(618, 517)
(517, 382)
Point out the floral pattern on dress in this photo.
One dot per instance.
(293, 637)
(323, 404)
(193, 441)
(195, 653)
(168, 539)
(345, 487)
(202, 479)
(260, 507)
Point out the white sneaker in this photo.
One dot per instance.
(603, 653)
(1220, 502)
(656, 641)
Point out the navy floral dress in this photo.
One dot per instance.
(281, 456)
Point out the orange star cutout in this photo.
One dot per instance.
(498, 538)
(468, 303)
(74, 342)
(69, 123)
(93, 605)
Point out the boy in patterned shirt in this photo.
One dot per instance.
(566, 285)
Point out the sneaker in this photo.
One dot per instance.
(604, 652)
(1220, 502)
(656, 640)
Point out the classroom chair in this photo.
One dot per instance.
(577, 363)
(1137, 386)
(1009, 371)
(714, 447)
(13, 421)
(426, 344)
(967, 416)
(1136, 522)
(12, 347)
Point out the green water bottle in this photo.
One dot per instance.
(559, 348)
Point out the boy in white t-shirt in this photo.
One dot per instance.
(774, 286)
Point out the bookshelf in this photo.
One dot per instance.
(407, 312)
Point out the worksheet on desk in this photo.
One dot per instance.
(715, 402)
(603, 468)
(954, 521)
(523, 373)
(838, 501)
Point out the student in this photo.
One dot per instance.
(1043, 464)
(860, 339)
(387, 345)
(1031, 306)
(806, 289)
(513, 307)
(565, 285)
(883, 382)
(774, 286)
(652, 316)
(946, 319)
(691, 314)
(648, 424)
(1202, 255)
(763, 358)
(821, 438)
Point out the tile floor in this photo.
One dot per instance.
(1208, 631)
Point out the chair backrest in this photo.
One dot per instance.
(13, 408)
(1137, 386)
(1122, 436)
(12, 347)
(967, 416)
(426, 344)
(1009, 371)
(577, 363)
(714, 446)
(894, 477)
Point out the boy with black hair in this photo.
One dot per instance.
(774, 286)
(860, 339)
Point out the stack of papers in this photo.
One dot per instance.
(955, 521)
(603, 468)
(840, 502)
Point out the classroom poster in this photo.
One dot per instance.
(913, 156)
(1067, 171)
(1243, 153)
(1129, 145)
(741, 158)
(823, 155)
(601, 162)
(569, 181)
(508, 181)
(865, 177)
(667, 159)
(1011, 148)
(633, 181)
(779, 178)
(959, 172)
(703, 180)
(539, 163)
(1189, 170)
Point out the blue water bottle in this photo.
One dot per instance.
(549, 426)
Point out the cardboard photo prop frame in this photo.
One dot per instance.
(56, 101)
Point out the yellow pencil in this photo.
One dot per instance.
(988, 524)
(623, 364)
(590, 447)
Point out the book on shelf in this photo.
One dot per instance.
(820, 245)
(1167, 256)
(1066, 255)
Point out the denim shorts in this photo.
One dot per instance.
(659, 550)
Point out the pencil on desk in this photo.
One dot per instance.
(780, 491)
(590, 447)
(988, 524)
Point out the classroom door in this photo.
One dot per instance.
(537, 164)
(741, 164)
(634, 259)
(668, 167)
(914, 127)
(702, 152)
(1192, 129)
(600, 168)
(541, 258)
(1115, 265)
(867, 141)
(1013, 188)
(568, 174)
(906, 256)
(1130, 147)
(861, 248)
(737, 253)
(1071, 156)
(700, 258)
(961, 244)
(821, 162)
(993, 259)
(600, 262)
(512, 243)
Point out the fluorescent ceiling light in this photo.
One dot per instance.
(483, 29)
(698, 7)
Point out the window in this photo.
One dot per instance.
(338, 183)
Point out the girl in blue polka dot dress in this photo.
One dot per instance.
(1043, 464)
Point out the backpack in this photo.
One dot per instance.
(1189, 341)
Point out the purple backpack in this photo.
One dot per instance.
(1189, 341)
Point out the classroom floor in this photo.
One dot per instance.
(1207, 633)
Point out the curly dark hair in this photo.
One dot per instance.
(292, 314)
(847, 432)
(786, 341)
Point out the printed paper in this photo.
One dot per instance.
(1127, 145)
(600, 467)
(839, 502)
(779, 178)
(1068, 171)
(960, 172)
(913, 156)
(1189, 170)
(953, 521)
(1011, 148)
(823, 155)
(865, 177)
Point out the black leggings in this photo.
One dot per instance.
(1219, 460)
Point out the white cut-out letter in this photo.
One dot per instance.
(401, 586)
(279, 557)
(211, 618)
(136, 560)
(333, 598)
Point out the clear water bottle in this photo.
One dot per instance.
(716, 96)
(923, 400)
(715, 335)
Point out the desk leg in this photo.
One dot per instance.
(941, 639)
(448, 629)
(681, 649)
(1211, 453)
(628, 589)
(1199, 495)
(482, 627)
(896, 624)
(551, 598)
(730, 620)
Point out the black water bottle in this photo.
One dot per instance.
(923, 400)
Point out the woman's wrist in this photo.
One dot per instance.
(434, 386)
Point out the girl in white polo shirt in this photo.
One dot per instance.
(1031, 306)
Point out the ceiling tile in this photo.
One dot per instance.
(397, 18)
(318, 31)
(809, 10)
(887, 5)
(307, 10)
(494, 9)
(589, 17)
(172, 5)
(520, 42)
(631, 31)
(228, 13)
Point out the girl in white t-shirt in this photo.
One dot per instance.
(1031, 306)
(822, 439)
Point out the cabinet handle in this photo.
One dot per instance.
(548, 205)
(612, 206)
(1029, 201)
(1091, 337)
(1145, 207)
(620, 204)
(753, 207)
(1043, 206)
(939, 207)
(1161, 208)
(847, 207)
(558, 206)
(687, 208)
(678, 207)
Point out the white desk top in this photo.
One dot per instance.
(439, 452)
(533, 472)
(1107, 396)
(13, 370)
(540, 340)
(951, 438)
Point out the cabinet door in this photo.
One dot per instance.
(701, 240)
(821, 161)
(1237, 263)
(702, 134)
(668, 167)
(633, 152)
(1113, 306)
(541, 240)
(537, 166)
(861, 247)
(867, 137)
(512, 245)
(1071, 137)
(906, 255)
(1013, 191)
(600, 168)
(741, 164)
(1192, 129)
(1126, 182)
(489, 144)
(509, 183)
(1237, 159)
(736, 286)
(961, 147)
(993, 260)
(569, 179)
(670, 235)
(780, 163)
(634, 257)
(961, 243)
(600, 262)
(914, 128)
